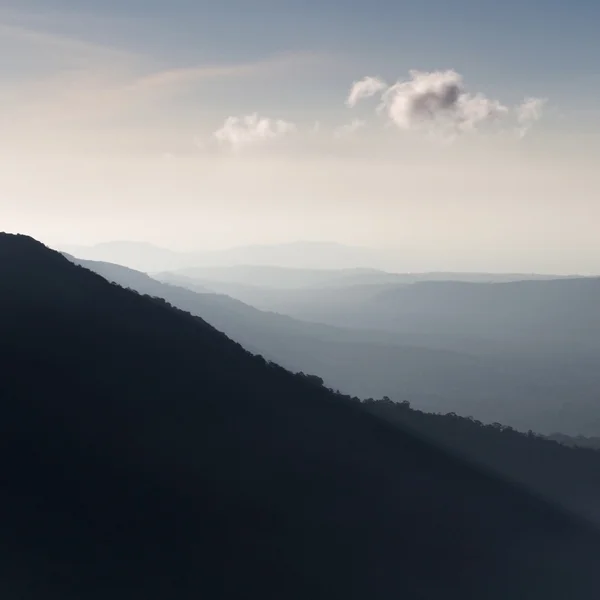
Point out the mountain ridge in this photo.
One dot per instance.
(158, 472)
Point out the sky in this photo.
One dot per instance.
(464, 133)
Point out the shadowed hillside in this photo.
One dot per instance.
(145, 455)
(550, 466)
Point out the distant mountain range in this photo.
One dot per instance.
(146, 455)
(500, 311)
(311, 255)
(361, 264)
(286, 278)
(494, 374)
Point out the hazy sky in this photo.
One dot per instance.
(466, 133)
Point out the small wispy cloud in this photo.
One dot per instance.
(365, 88)
(238, 133)
(528, 113)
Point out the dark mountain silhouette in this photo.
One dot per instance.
(146, 455)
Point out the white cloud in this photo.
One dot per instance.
(241, 132)
(438, 103)
(365, 88)
(528, 113)
(348, 130)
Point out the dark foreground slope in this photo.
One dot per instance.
(145, 455)
(560, 472)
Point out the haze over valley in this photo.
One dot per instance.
(487, 346)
